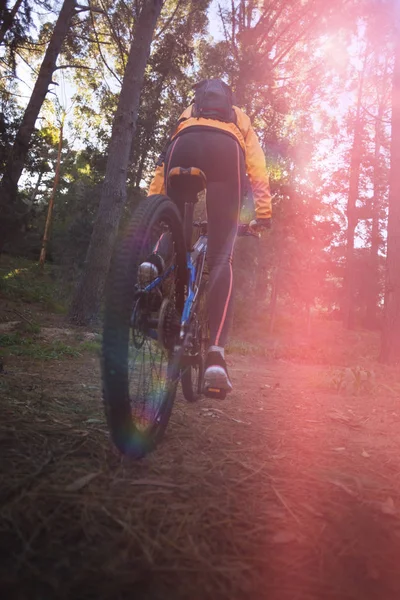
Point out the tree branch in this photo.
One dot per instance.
(100, 51)
(74, 67)
(116, 38)
(82, 8)
(172, 17)
(375, 117)
(221, 16)
(233, 10)
(293, 43)
(8, 20)
(290, 26)
(26, 62)
(272, 24)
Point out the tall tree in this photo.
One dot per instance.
(390, 349)
(7, 17)
(86, 302)
(11, 207)
(379, 181)
(353, 194)
(46, 234)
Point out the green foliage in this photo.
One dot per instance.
(294, 67)
(14, 344)
(22, 279)
(92, 347)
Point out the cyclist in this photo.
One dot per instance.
(217, 137)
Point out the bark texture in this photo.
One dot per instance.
(86, 303)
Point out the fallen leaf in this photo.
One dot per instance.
(80, 483)
(388, 507)
(284, 537)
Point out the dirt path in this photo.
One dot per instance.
(286, 491)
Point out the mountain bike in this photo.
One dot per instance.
(156, 329)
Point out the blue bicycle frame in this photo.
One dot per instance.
(195, 259)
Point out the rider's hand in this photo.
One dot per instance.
(258, 225)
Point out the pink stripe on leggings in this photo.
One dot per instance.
(225, 309)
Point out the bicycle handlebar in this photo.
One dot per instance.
(244, 229)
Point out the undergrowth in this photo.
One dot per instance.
(23, 280)
(15, 344)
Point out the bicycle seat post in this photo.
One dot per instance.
(183, 186)
(188, 224)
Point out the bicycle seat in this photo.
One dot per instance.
(185, 183)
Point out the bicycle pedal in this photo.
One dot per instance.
(216, 393)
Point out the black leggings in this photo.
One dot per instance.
(221, 158)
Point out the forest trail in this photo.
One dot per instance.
(288, 490)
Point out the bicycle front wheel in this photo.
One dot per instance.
(140, 370)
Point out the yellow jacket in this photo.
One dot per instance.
(254, 155)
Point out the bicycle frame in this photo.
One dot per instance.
(195, 260)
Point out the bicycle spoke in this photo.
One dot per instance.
(148, 381)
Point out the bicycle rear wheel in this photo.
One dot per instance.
(140, 369)
(193, 363)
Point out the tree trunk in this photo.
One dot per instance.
(36, 189)
(390, 349)
(8, 20)
(149, 133)
(355, 164)
(86, 303)
(51, 201)
(11, 208)
(373, 280)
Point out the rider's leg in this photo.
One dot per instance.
(222, 220)
(222, 160)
